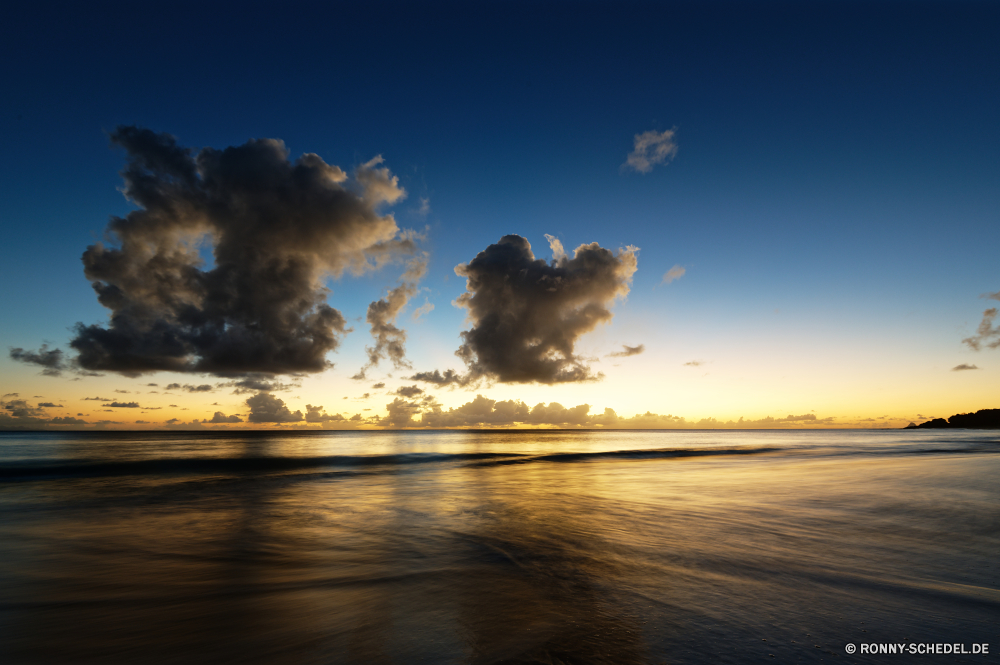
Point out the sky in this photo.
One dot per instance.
(563, 214)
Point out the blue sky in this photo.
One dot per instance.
(834, 197)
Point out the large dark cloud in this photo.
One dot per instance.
(277, 229)
(527, 313)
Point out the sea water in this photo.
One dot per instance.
(521, 547)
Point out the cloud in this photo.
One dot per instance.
(558, 251)
(628, 351)
(266, 408)
(378, 385)
(124, 405)
(694, 363)
(18, 408)
(651, 148)
(450, 377)
(203, 388)
(317, 414)
(256, 383)
(51, 360)
(17, 414)
(424, 208)
(277, 229)
(67, 420)
(986, 334)
(962, 367)
(400, 413)
(527, 314)
(484, 412)
(796, 419)
(50, 405)
(390, 341)
(220, 417)
(409, 391)
(673, 274)
(96, 399)
(423, 310)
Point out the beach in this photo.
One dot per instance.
(497, 547)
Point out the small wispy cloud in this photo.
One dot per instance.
(423, 310)
(694, 363)
(986, 334)
(673, 274)
(651, 148)
(962, 367)
(50, 359)
(424, 208)
(628, 351)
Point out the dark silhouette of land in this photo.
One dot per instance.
(982, 419)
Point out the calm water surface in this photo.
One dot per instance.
(525, 547)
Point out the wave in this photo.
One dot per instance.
(203, 465)
(220, 465)
(663, 453)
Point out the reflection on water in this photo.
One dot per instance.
(601, 547)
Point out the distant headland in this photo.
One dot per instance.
(982, 419)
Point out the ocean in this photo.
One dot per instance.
(554, 547)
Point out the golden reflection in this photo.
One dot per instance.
(392, 549)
